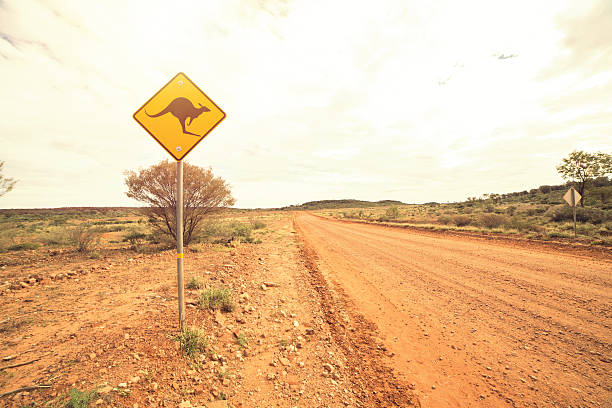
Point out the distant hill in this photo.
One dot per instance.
(347, 203)
(598, 194)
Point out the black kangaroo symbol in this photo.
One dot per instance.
(182, 109)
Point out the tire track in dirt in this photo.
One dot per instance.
(492, 322)
(356, 336)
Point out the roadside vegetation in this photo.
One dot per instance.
(93, 231)
(192, 342)
(539, 213)
(217, 298)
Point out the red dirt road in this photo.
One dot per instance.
(472, 321)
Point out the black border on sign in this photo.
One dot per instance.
(203, 136)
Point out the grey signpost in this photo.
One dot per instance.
(572, 197)
(179, 243)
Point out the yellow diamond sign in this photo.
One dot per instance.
(179, 116)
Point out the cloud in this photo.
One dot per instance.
(324, 100)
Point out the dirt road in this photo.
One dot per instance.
(475, 322)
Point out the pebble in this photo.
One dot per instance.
(105, 390)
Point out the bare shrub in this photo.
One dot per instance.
(490, 220)
(203, 195)
(444, 219)
(84, 237)
(461, 220)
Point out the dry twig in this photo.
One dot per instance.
(19, 364)
(22, 389)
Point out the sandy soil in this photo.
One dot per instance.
(471, 321)
(109, 324)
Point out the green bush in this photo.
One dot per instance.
(84, 237)
(518, 223)
(392, 213)
(80, 399)
(58, 221)
(23, 246)
(225, 232)
(218, 298)
(461, 220)
(136, 239)
(258, 224)
(556, 234)
(444, 219)
(194, 283)
(489, 220)
(192, 341)
(564, 212)
(59, 236)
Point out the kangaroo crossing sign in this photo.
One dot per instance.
(179, 116)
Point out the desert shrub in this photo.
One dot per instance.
(490, 208)
(58, 221)
(136, 239)
(218, 298)
(392, 212)
(240, 230)
(586, 229)
(242, 340)
(461, 220)
(593, 215)
(7, 238)
(258, 224)
(564, 212)
(444, 219)
(557, 234)
(489, 220)
(192, 341)
(161, 238)
(510, 210)
(80, 399)
(84, 237)
(225, 232)
(24, 246)
(194, 283)
(521, 224)
(58, 236)
(606, 229)
(561, 212)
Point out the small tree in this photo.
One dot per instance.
(203, 194)
(580, 167)
(6, 183)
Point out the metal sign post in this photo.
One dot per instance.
(179, 243)
(179, 116)
(574, 208)
(572, 197)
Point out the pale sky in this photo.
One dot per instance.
(409, 100)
